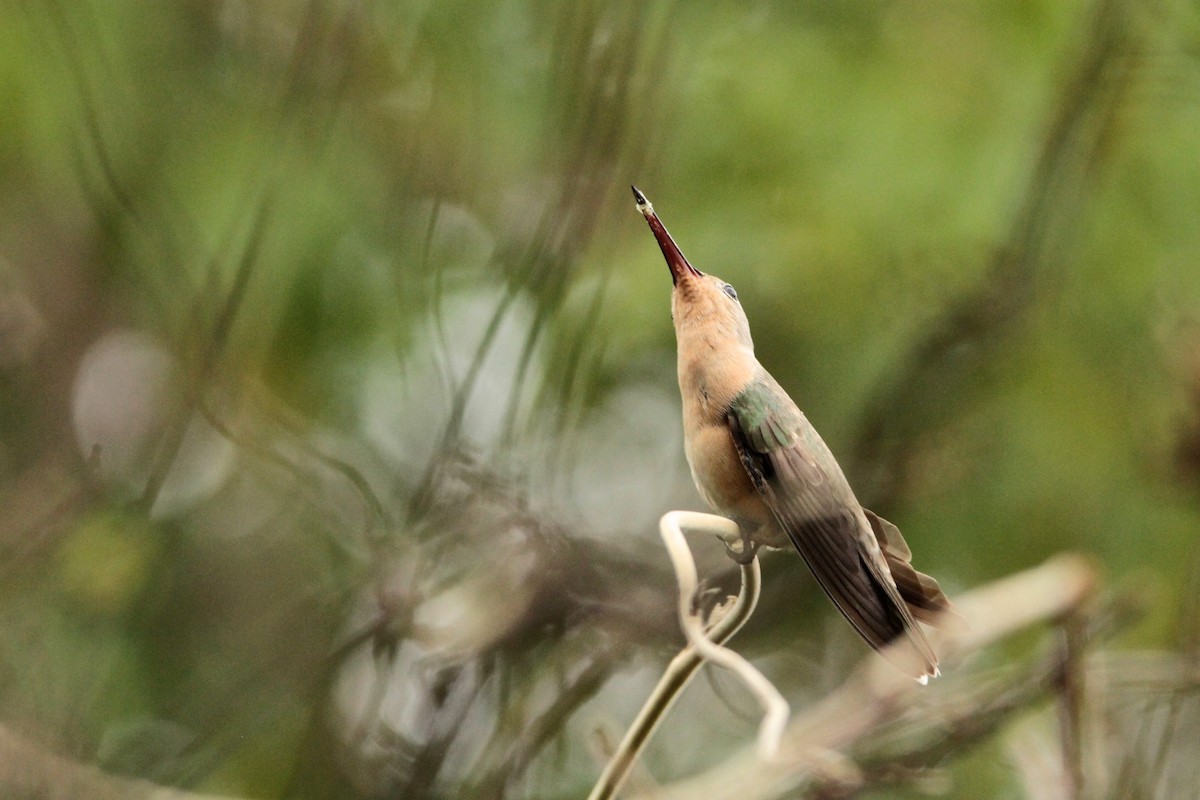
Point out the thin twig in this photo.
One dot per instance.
(207, 362)
(1071, 694)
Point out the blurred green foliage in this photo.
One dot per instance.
(401, 326)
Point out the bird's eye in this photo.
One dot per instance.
(729, 290)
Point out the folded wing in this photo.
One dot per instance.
(800, 482)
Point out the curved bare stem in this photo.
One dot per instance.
(702, 645)
(775, 708)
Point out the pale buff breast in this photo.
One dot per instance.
(720, 476)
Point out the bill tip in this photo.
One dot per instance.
(642, 203)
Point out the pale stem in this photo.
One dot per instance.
(701, 646)
(775, 708)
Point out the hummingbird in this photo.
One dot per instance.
(756, 459)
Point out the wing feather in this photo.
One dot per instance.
(800, 482)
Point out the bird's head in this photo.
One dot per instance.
(700, 304)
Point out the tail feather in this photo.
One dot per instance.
(925, 599)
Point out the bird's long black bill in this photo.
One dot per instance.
(676, 261)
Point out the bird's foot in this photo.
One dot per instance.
(746, 551)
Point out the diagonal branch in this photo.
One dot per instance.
(876, 694)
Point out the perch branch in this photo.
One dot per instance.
(702, 645)
(775, 708)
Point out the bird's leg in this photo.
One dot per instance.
(747, 548)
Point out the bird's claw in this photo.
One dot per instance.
(745, 554)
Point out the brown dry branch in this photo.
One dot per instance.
(981, 703)
(1071, 703)
(876, 695)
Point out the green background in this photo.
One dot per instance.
(380, 262)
